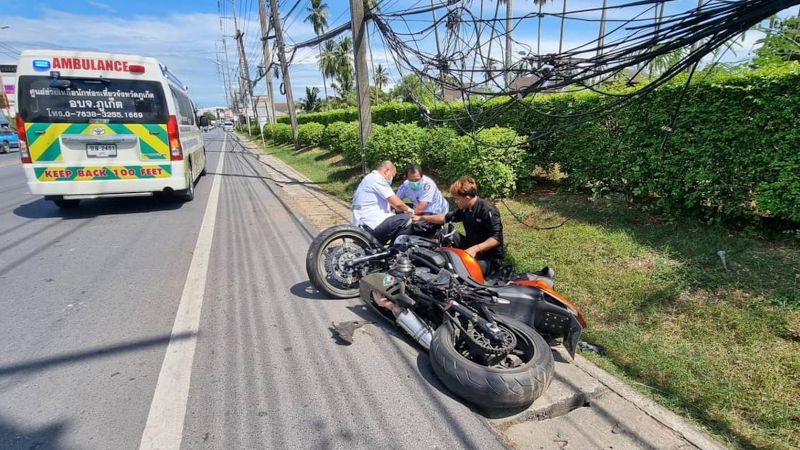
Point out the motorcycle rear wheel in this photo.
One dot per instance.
(494, 387)
(338, 282)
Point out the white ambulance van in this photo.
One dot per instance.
(99, 124)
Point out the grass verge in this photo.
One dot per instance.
(718, 345)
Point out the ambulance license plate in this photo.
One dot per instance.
(101, 150)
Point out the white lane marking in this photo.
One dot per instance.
(164, 428)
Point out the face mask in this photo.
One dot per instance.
(415, 185)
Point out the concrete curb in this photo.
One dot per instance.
(648, 406)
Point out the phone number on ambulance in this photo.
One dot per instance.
(95, 114)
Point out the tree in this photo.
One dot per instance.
(780, 43)
(327, 60)
(318, 17)
(412, 89)
(312, 101)
(345, 72)
(381, 78)
(210, 115)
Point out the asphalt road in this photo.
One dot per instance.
(88, 300)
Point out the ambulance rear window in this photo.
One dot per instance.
(91, 100)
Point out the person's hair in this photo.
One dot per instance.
(464, 187)
(414, 168)
(387, 164)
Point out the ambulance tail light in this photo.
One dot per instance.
(136, 68)
(24, 153)
(175, 149)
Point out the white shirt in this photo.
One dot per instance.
(370, 202)
(428, 192)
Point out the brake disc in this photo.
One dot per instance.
(336, 264)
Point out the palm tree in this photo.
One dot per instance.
(327, 59)
(318, 17)
(381, 78)
(345, 73)
(311, 102)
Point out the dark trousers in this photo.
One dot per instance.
(392, 227)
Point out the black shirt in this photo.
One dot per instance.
(481, 223)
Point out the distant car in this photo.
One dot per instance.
(228, 126)
(8, 140)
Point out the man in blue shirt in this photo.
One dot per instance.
(425, 196)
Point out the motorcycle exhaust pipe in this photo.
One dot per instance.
(417, 329)
(394, 290)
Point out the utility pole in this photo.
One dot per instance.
(509, 16)
(232, 98)
(601, 39)
(246, 78)
(262, 17)
(244, 69)
(276, 23)
(362, 75)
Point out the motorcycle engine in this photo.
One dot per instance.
(402, 267)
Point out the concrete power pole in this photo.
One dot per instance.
(262, 17)
(509, 16)
(249, 85)
(232, 99)
(362, 75)
(276, 23)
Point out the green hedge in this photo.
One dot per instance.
(310, 134)
(733, 153)
(392, 112)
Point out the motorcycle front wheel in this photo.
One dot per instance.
(511, 384)
(327, 256)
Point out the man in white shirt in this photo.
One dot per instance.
(372, 204)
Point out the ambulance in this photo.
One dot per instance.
(105, 125)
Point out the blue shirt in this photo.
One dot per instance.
(428, 192)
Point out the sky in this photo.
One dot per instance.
(186, 36)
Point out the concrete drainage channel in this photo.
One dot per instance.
(584, 407)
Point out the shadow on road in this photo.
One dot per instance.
(97, 352)
(41, 208)
(46, 437)
(305, 290)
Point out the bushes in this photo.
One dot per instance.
(345, 137)
(494, 157)
(310, 134)
(281, 133)
(732, 154)
(402, 143)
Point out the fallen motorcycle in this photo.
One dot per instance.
(480, 337)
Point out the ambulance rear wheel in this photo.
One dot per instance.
(187, 194)
(66, 204)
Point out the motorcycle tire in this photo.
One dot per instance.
(491, 387)
(315, 264)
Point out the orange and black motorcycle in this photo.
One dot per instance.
(488, 341)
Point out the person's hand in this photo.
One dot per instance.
(472, 251)
(416, 218)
